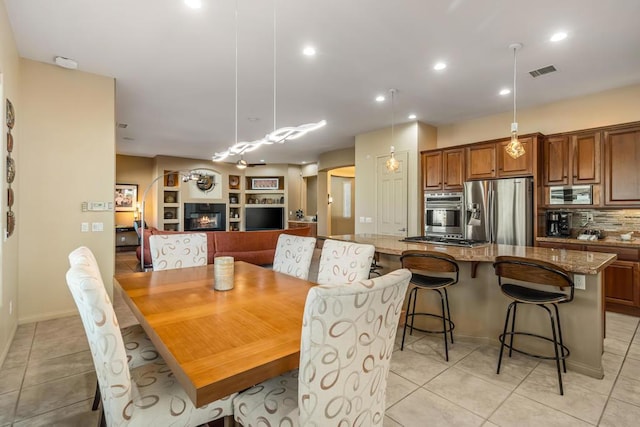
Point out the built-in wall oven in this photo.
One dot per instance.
(443, 214)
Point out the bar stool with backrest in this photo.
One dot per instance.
(421, 264)
(532, 275)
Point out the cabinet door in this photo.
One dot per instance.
(523, 165)
(556, 160)
(481, 161)
(432, 170)
(621, 283)
(622, 173)
(453, 169)
(586, 158)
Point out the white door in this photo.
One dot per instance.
(392, 196)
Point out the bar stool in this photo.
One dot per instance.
(533, 272)
(375, 267)
(430, 262)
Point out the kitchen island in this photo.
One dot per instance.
(478, 307)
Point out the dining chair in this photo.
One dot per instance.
(293, 255)
(344, 262)
(139, 348)
(348, 334)
(146, 395)
(169, 251)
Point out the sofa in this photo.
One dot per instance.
(255, 247)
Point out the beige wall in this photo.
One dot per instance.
(67, 156)
(9, 69)
(601, 109)
(336, 159)
(409, 137)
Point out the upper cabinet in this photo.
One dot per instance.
(490, 160)
(443, 170)
(572, 159)
(622, 167)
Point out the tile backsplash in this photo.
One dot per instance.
(611, 221)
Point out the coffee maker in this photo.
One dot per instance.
(558, 223)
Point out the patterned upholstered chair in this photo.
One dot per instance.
(344, 262)
(139, 348)
(293, 255)
(348, 334)
(169, 251)
(147, 395)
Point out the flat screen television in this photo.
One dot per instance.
(264, 218)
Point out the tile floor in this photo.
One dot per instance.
(48, 379)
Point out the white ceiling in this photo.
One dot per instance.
(174, 66)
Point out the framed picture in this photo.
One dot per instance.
(126, 196)
(265, 183)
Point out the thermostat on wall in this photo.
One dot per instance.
(97, 206)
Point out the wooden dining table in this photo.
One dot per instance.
(219, 342)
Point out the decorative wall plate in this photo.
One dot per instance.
(234, 181)
(206, 183)
(11, 169)
(11, 223)
(11, 115)
(9, 197)
(9, 142)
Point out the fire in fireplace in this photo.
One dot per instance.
(205, 217)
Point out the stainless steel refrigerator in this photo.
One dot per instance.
(499, 211)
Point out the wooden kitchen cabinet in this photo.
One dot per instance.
(443, 170)
(490, 160)
(572, 159)
(621, 167)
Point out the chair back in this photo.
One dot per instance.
(105, 340)
(344, 262)
(534, 272)
(293, 255)
(430, 261)
(348, 334)
(169, 251)
(83, 256)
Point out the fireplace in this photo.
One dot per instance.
(205, 217)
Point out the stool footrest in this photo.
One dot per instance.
(451, 324)
(565, 349)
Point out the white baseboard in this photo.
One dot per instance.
(47, 316)
(5, 350)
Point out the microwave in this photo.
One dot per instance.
(571, 195)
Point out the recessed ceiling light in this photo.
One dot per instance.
(67, 63)
(309, 51)
(193, 4)
(412, 116)
(304, 162)
(440, 66)
(505, 91)
(380, 98)
(261, 160)
(561, 35)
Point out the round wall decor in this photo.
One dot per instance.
(206, 183)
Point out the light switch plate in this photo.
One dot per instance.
(579, 281)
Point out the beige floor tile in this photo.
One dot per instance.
(483, 362)
(615, 346)
(416, 367)
(63, 327)
(49, 348)
(25, 331)
(434, 345)
(11, 378)
(621, 330)
(424, 408)
(518, 411)
(634, 350)
(42, 398)
(78, 414)
(41, 371)
(627, 390)
(388, 422)
(408, 339)
(630, 368)
(7, 407)
(18, 355)
(577, 401)
(489, 424)
(470, 392)
(620, 414)
(398, 388)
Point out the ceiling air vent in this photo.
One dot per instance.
(542, 71)
(122, 125)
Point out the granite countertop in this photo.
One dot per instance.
(634, 243)
(574, 261)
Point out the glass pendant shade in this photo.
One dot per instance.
(514, 148)
(392, 164)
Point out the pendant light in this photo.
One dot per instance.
(277, 135)
(392, 163)
(514, 148)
